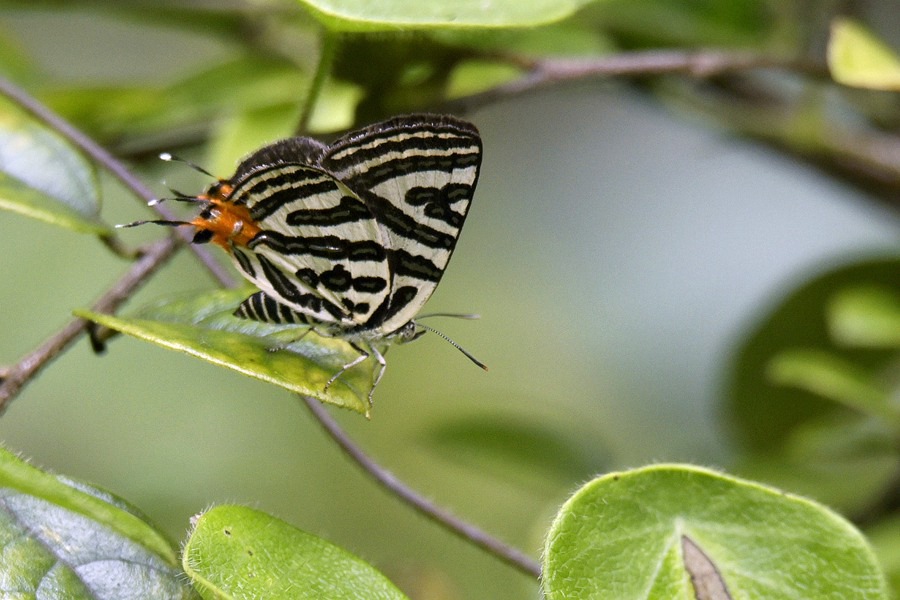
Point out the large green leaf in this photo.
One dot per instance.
(240, 553)
(63, 539)
(360, 15)
(857, 58)
(42, 176)
(672, 531)
(292, 357)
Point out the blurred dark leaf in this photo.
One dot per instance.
(529, 453)
(762, 414)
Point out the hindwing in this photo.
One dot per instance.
(417, 175)
(319, 250)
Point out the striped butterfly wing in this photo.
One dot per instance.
(416, 174)
(319, 252)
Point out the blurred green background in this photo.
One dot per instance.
(616, 252)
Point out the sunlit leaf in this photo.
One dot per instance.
(866, 317)
(78, 541)
(857, 58)
(240, 553)
(291, 357)
(680, 532)
(42, 176)
(359, 15)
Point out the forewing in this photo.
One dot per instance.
(417, 175)
(319, 251)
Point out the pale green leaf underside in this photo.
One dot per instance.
(237, 552)
(623, 536)
(19, 198)
(364, 15)
(44, 176)
(857, 58)
(203, 326)
(83, 543)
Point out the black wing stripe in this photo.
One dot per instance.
(348, 210)
(330, 247)
(269, 202)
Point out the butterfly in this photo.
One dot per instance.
(349, 238)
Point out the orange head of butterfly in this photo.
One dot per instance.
(221, 221)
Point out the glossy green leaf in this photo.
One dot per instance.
(670, 532)
(360, 15)
(828, 376)
(42, 176)
(857, 58)
(240, 553)
(866, 317)
(63, 539)
(292, 357)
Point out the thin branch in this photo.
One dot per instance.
(15, 377)
(701, 65)
(441, 516)
(327, 53)
(111, 164)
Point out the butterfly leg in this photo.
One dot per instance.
(363, 355)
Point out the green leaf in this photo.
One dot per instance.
(857, 58)
(389, 15)
(253, 128)
(42, 176)
(826, 375)
(292, 357)
(671, 532)
(236, 552)
(80, 542)
(866, 317)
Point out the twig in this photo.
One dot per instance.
(16, 376)
(111, 164)
(702, 64)
(327, 53)
(467, 531)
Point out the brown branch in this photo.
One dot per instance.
(701, 64)
(441, 516)
(106, 160)
(15, 377)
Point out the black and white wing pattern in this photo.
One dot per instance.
(354, 236)
(417, 176)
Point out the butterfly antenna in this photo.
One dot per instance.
(454, 344)
(166, 156)
(469, 317)
(165, 222)
(177, 196)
